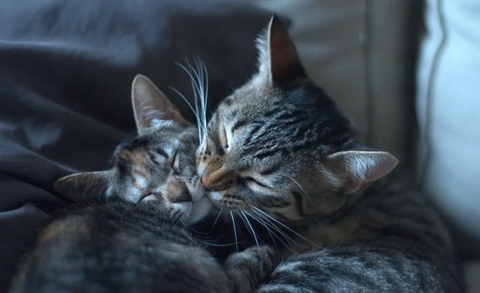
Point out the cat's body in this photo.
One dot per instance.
(120, 246)
(132, 233)
(279, 153)
(388, 239)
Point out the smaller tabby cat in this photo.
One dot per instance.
(135, 236)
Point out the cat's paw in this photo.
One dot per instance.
(250, 268)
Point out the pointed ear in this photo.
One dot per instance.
(150, 105)
(83, 185)
(278, 55)
(360, 168)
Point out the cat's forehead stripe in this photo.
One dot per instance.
(140, 174)
(239, 123)
(136, 157)
(271, 170)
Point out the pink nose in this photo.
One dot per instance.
(205, 181)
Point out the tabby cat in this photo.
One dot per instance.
(278, 152)
(134, 237)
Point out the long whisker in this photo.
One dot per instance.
(218, 245)
(246, 225)
(200, 88)
(284, 226)
(185, 99)
(196, 90)
(234, 230)
(274, 226)
(194, 230)
(266, 227)
(218, 216)
(204, 97)
(251, 228)
(200, 70)
(276, 229)
(201, 73)
(190, 106)
(304, 192)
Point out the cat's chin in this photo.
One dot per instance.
(200, 210)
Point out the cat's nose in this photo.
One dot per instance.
(184, 196)
(217, 180)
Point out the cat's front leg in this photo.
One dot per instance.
(250, 268)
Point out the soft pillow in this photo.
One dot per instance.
(448, 110)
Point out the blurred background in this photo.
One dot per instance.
(406, 71)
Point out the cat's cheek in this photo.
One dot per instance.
(201, 166)
(200, 210)
(214, 196)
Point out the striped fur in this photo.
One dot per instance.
(118, 246)
(281, 157)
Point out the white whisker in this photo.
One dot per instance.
(204, 95)
(259, 220)
(202, 87)
(251, 228)
(276, 229)
(234, 230)
(189, 105)
(284, 226)
(218, 245)
(199, 81)
(201, 71)
(219, 213)
(304, 192)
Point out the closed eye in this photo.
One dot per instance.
(146, 196)
(175, 164)
(251, 180)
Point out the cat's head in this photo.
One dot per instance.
(280, 144)
(156, 166)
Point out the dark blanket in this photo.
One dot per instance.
(65, 73)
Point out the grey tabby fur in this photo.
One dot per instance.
(133, 236)
(278, 152)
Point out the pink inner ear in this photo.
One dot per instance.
(284, 61)
(155, 109)
(282, 51)
(83, 185)
(360, 168)
(151, 104)
(375, 166)
(384, 165)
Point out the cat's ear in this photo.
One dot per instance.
(150, 105)
(278, 56)
(358, 168)
(86, 185)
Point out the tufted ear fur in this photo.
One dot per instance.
(150, 105)
(358, 168)
(86, 185)
(278, 57)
